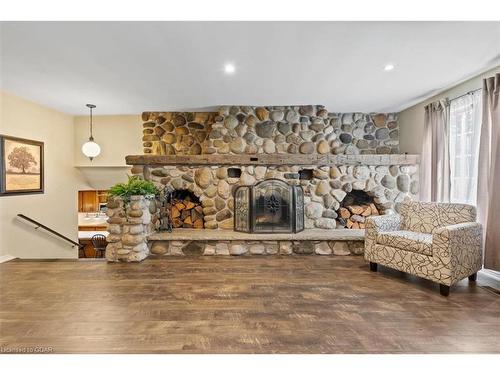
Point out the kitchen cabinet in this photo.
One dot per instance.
(88, 251)
(85, 239)
(89, 200)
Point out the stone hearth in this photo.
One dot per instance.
(225, 242)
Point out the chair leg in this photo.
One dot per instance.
(373, 267)
(444, 290)
(473, 277)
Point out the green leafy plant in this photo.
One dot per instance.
(134, 186)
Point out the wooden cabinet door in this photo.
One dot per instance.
(87, 201)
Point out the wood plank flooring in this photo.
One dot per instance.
(293, 304)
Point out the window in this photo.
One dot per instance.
(465, 127)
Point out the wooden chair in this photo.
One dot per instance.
(99, 242)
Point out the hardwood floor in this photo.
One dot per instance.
(293, 304)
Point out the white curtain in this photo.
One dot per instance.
(465, 129)
(489, 172)
(435, 160)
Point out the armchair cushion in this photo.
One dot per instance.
(416, 242)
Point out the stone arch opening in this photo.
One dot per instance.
(185, 210)
(356, 197)
(185, 194)
(356, 206)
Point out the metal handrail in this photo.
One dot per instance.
(40, 225)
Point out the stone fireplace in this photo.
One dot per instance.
(270, 206)
(384, 179)
(331, 171)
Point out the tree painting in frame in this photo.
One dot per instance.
(21, 166)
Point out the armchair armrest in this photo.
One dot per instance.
(460, 248)
(455, 229)
(384, 223)
(376, 224)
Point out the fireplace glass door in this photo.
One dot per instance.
(272, 209)
(271, 206)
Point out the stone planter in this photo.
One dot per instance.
(129, 224)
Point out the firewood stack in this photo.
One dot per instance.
(353, 217)
(186, 214)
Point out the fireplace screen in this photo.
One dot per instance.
(271, 206)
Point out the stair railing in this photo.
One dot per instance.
(40, 225)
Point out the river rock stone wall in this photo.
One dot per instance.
(285, 129)
(129, 224)
(324, 190)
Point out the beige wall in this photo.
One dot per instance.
(118, 136)
(411, 120)
(57, 207)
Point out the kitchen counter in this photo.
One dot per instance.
(87, 234)
(91, 220)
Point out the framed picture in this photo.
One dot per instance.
(21, 166)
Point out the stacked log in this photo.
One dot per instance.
(355, 216)
(186, 214)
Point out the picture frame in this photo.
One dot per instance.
(21, 166)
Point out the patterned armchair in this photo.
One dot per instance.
(437, 241)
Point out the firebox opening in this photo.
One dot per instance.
(355, 208)
(186, 210)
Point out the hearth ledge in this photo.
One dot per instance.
(229, 235)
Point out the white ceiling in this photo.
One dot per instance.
(130, 67)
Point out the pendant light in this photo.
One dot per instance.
(91, 149)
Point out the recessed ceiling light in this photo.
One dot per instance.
(229, 68)
(389, 67)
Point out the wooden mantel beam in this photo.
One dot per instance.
(272, 159)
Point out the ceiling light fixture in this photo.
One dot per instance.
(229, 68)
(389, 67)
(91, 149)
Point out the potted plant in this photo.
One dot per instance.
(134, 186)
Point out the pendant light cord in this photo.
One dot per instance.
(91, 138)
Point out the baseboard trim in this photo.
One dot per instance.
(490, 273)
(6, 258)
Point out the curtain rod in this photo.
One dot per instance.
(467, 93)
